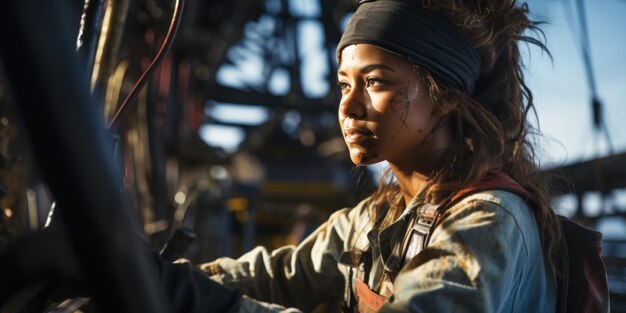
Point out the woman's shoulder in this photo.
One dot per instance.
(359, 211)
(505, 208)
(351, 222)
(509, 202)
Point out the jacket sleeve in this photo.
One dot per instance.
(472, 263)
(189, 291)
(302, 276)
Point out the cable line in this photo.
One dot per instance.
(596, 105)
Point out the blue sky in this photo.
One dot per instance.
(563, 97)
(562, 93)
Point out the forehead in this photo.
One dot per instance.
(359, 55)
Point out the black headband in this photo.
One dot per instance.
(426, 38)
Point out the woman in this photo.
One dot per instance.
(435, 88)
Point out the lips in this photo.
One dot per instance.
(357, 135)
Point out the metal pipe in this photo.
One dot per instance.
(88, 34)
(108, 45)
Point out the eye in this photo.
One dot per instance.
(343, 85)
(376, 82)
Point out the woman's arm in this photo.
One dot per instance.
(302, 276)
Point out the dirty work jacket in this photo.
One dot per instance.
(485, 256)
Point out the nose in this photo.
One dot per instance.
(352, 105)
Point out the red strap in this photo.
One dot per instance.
(497, 181)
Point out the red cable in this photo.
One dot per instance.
(165, 47)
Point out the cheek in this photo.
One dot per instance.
(421, 111)
(401, 100)
(418, 119)
(404, 111)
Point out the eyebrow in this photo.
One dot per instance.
(369, 68)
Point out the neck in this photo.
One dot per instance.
(413, 178)
(416, 167)
(410, 182)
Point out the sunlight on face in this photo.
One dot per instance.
(385, 112)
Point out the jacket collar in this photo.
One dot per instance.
(390, 242)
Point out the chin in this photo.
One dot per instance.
(364, 158)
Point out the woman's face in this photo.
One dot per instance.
(385, 111)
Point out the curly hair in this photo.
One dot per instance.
(490, 126)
